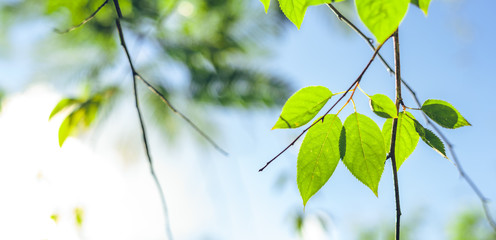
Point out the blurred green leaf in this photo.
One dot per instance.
(79, 216)
(64, 103)
(422, 4)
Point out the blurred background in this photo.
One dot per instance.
(229, 67)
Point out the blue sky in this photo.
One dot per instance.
(448, 56)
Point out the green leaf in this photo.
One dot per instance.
(303, 106)
(90, 112)
(64, 103)
(383, 106)
(422, 4)
(382, 17)
(295, 9)
(430, 138)
(444, 114)
(69, 125)
(318, 156)
(406, 137)
(362, 149)
(266, 4)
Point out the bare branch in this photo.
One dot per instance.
(449, 145)
(194, 126)
(84, 21)
(142, 124)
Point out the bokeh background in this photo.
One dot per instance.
(229, 67)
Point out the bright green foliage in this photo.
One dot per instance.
(295, 9)
(84, 113)
(266, 4)
(362, 149)
(79, 216)
(318, 156)
(406, 136)
(69, 125)
(383, 106)
(382, 17)
(303, 106)
(430, 138)
(63, 104)
(444, 114)
(422, 4)
(55, 217)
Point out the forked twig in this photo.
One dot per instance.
(449, 145)
(143, 132)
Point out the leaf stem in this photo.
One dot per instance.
(392, 151)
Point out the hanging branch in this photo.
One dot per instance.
(143, 132)
(181, 115)
(392, 151)
(84, 21)
(167, 102)
(449, 145)
(355, 84)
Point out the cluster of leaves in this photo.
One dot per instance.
(358, 142)
(82, 111)
(382, 17)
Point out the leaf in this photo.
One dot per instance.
(64, 103)
(65, 130)
(383, 106)
(406, 137)
(303, 106)
(295, 9)
(422, 4)
(90, 112)
(266, 4)
(362, 149)
(444, 114)
(430, 138)
(318, 156)
(382, 17)
(69, 125)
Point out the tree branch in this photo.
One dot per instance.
(392, 151)
(449, 145)
(84, 21)
(143, 132)
(355, 83)
(164, 99)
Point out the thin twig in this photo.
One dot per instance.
(392, 151)
(194, 126)
(355, 83)
(171, 107)
(84, 21)
(449, 145)
(143, 132)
